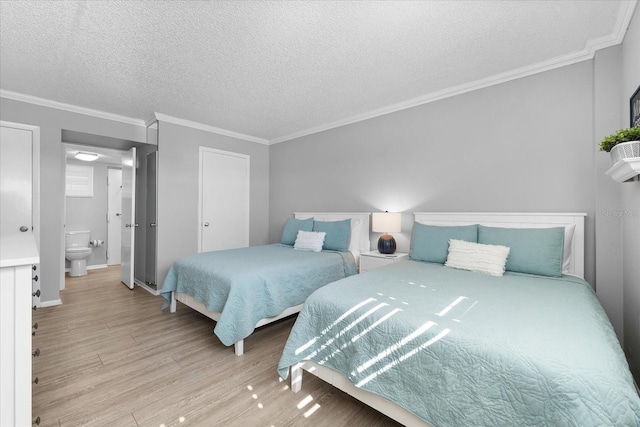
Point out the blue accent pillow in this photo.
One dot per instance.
(533, 250)
(291, 228)
(338, 234)
(431, 242)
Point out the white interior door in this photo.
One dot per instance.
(15, 181)
(224, 200)
(128, 217)
(114, 216)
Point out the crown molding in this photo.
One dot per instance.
(69, 107)
(207, 128)
(616, 37)
(588, 53)
(16, 96)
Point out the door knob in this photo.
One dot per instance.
(206, 224)
(24, 228)
(118, 214)
(153, 224)
(127, 225)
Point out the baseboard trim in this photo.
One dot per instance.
(50, 303)
(89, 267)
(146, 287)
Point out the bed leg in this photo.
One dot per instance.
(239, 348)
(296, 377)
(172, 306)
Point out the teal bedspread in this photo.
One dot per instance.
(248, 284)
(458, 348)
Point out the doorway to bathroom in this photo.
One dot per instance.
(93, 180)
(110, 221)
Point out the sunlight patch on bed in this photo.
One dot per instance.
(404, 357)
(450, 306)
(331, 326)
(360, 335)
(347, 329)
(465, 312)
(387, 351)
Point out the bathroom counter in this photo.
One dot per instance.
(18, 249)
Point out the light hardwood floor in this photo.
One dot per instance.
(110, 357)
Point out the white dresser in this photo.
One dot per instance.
(18, 254)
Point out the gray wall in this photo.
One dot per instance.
(607, 112)
(178, 165)
(524, 145)
(89, 213)
(631, 207)
(51, 122)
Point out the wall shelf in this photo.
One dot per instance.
(625, 169)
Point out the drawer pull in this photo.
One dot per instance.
(37, 421)
(36, 381)
(35, 326)
(36, 353)
(34, 268)
(36, 293)
(35, 278)
(34, 308)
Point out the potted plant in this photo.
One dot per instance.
(622, 144)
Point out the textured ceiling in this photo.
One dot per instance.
(272, 69)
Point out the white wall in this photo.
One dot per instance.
(606, 119)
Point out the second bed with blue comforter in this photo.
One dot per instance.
(459, 348)
(249, 284)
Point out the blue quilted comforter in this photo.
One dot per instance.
(248, 284)
(458, 348)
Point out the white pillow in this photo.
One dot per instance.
(478, 257)
(309, 240)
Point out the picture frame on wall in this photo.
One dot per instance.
(634, 108)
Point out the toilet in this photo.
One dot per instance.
(77, 250)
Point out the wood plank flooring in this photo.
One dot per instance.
(110, 357)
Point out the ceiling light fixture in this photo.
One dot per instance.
(87, 157)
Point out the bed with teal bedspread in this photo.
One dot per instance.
(458, 348)
(249, 284)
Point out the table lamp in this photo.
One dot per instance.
(386, 222)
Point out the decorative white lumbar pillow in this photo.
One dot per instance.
(309, 240)
(478, 257)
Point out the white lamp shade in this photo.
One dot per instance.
(386, 222)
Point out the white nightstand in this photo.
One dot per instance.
(374, 259)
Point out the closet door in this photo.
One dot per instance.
(16, 209)
(20, 184)
(224, 200)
